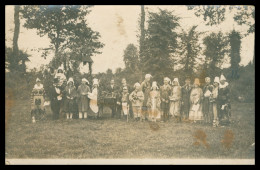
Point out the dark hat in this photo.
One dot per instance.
(187, 78)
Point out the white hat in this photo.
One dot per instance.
(136, 84)
(70, 80)
(207, 78)
(95, 81)
(222, 77)
(37, 80)
(148, 75)
(85, 80)
(60, 68)
(154, 84)
(176, 79)
(216, 80)
(168, 79)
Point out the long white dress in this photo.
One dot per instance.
(93, 100)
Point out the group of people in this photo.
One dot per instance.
(145, 101)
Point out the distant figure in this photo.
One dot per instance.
(165, 92)
(224, 101)
(37, 101)
(137, 98)
(175, 100)
(83, 100)
(154, 103)
(56, 99)
(213, 99)
(119, 97)
(146, 88)
(206, 106)
(124, 102)
(61, 76)
(196, 102)
(186, 89)
(112, 93)
(94, 102)
(70, 94)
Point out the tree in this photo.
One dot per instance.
(63, 25)
(235, 44)
(142, 34)
(245, 17)
(212, 15)
(189, 49)
(131, 58)
(215, 51)
(160, 43)
(14, 56)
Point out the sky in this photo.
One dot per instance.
(118, 27)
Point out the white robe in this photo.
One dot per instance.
(93, 100)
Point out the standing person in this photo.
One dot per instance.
(61, 76)
(206, 106)
(154, 103)
(124, 102)
(146, 87)
(186, 89)
(112, 94)
(119, 96)
(83, 100)
(224, 101)
(96, 97)
(56, 98)
(175, 100)
(213, 100)
(196, 96)
(165, 92)
(137, 98)
(70, 93)
(37, 100)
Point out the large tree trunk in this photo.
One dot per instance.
(15, 38)
(142, 36)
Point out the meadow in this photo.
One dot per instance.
(116, 138)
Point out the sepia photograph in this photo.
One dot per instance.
(129, 84)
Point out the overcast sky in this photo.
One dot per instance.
(118, 27)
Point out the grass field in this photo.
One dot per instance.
(114, 138)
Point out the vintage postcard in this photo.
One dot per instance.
(139, 84)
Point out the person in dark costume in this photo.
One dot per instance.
(206, 104)
(111, 95)
(165, 92)
(186, 89)
(70, 94)
(56, 99)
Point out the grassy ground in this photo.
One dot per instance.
(113, 138)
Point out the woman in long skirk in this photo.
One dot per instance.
(154, 103)
(196, 102)
(175, 100)
(83, 101)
